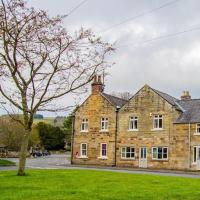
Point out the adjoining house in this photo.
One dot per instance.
(151, 130)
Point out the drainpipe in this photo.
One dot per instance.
(189, 142)
(72, 138)
(116, 131)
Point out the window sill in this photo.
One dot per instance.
(84, 131)
(132, 130)
(103, 131)
(83, 157)
(196, 133)
(160, 160)
(103, 157)
(157, 129)
(128, 159)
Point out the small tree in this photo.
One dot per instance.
(40, 62)
(68, 129)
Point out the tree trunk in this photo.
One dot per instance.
(23, 153)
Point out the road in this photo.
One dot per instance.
(55, 161)
(62, 161)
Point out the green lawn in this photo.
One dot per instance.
(6, 163)
(92, 185)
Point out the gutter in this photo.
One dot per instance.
(72, 138)
(116, 131)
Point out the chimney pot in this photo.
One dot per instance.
(186, 95)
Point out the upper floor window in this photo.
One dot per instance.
(84, 125)
(158, 122)
(104, 124)
(83, 150)
(198, 128)
(133, 123)
(160, 153)
(103, 152)
(128, 152)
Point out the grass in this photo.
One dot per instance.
(6, 163)
(93, 185)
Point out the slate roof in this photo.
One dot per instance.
(191, 112)
(190, 108)
(115, 101)
(167, 97)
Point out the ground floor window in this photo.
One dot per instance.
(196, 154)
(128, 152)
(103, 152)
(83, 150)
(160, 153)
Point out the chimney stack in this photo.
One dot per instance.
(186, 95)
(97, 85)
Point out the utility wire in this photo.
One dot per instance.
(76, 7)
(162, 37)
(139, 15)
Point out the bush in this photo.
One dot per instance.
(52, 138)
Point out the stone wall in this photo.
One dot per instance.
(94, 108)
(145, 104)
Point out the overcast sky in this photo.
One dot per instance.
(170, 64)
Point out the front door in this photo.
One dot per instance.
(143, 157)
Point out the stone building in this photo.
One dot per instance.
(151, 130)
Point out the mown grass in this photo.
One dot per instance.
(6, 163)
(93, 185)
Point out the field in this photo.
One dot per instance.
(48, 120)
(93, 185)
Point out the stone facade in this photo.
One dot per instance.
(170, 146)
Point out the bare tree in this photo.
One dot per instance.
(122, 95)
(40, 62)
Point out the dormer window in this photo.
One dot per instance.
(84, 125)
(133, 123)
(104, 124)
(198, 128)
(158, 122)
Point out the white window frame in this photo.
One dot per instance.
(84, 125)
(132, 120)
(157, 118)
(156, 158)
(125, 152)
(197, 129)
(104, 124)
(81, 150)
(101, 149)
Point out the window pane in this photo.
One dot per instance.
(160, 123)
(155, 123)
(128, 155)
(159, 153)
(195, 154)
(123, 155)
(103, 149)
(154, 153)
(135, 124)
(132, 155)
